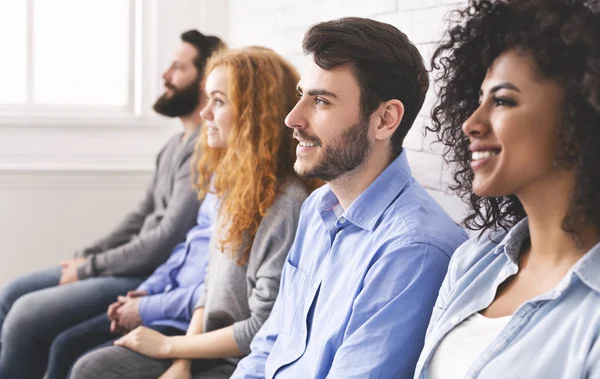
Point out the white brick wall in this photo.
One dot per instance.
(280, 25)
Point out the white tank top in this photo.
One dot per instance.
(461, 347)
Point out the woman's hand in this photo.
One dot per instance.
(147, 342)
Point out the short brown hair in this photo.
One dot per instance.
(384, 61)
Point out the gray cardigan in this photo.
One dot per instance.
(145, 237)
(243, 296)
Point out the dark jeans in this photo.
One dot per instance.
(83, 338)
(34, 309)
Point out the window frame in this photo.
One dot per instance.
(142, 85)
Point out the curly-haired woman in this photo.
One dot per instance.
(247, 161)
(519, 115)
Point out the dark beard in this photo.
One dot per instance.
(182, 102)
(344, 154)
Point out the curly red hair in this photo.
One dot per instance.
(261, 151)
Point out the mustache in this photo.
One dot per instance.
(301, 135)
(170, 86)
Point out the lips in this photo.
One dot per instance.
(485, 154)
(307, 144)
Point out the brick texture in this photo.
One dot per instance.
(280, 25)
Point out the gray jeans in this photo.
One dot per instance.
(34, 309)
(115, 362)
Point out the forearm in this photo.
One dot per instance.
(196, 327)
(196, 323)
(216, 344)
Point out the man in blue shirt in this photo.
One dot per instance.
(372, 246)
(165, 301)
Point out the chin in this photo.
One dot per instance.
(302, 169)
(214, 144)
(488, 191)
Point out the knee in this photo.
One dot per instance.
(10, 293)
(26, 284)
(22, 319)
(60, 347)
(88, 367)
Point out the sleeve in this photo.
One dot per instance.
(253, 365)
(157, 282)
(386, 329)
(141, 255)
(173, 305)
(130, 226)
(270, 246)
(442, 298)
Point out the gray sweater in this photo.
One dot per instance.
(243, 296)
(145, 237)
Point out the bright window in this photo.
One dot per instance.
(67, 54)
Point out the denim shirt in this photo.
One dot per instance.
(359, 285)
(554, 335)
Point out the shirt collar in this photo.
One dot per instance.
(513, 240)
(587, 268)
(368, 207)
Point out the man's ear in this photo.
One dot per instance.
(388, 116)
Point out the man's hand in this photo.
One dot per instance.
(147, 342)
(180, 369)
(128, 315)
(69, 270)
(112, 309)
(112, 316)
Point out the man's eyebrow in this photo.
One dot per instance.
(317, 92)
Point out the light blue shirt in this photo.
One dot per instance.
(358, 287)
(554, 335)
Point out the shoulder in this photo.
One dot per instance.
(419, 219)
(285, 210)
(172, 143)
(292, 190)
(473, 252)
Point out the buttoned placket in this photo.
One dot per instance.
(334, 231)
(509, 269)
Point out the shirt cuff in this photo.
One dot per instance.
(87, 270)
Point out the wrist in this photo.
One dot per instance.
(169, 348)
(185, 364)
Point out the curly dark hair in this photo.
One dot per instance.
(563, 38)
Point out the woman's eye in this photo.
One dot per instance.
(501, 101)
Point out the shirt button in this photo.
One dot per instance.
(342, 220)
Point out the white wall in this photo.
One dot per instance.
(280, 24)
(46, 215)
